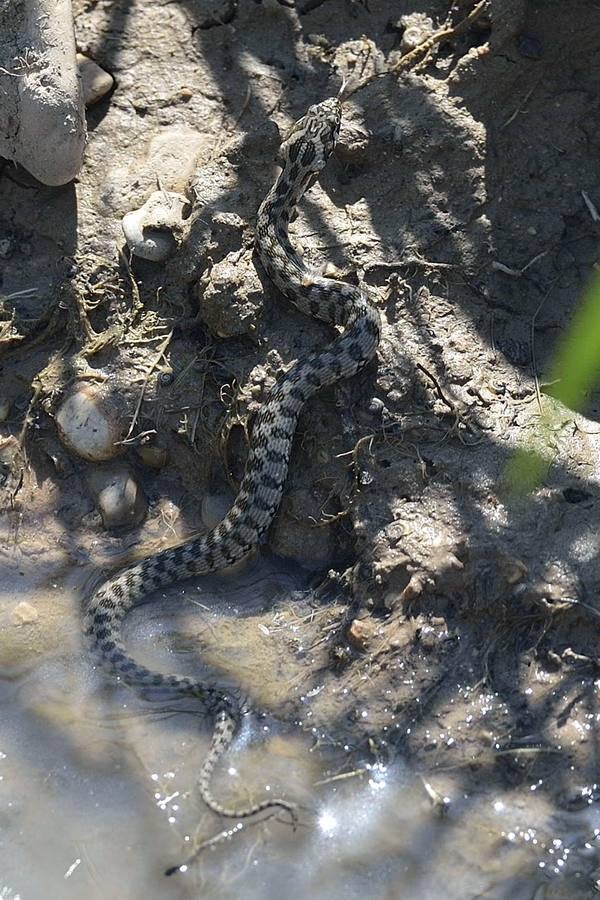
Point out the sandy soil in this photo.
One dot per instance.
(459, 615)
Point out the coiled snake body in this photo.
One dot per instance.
(304, 153)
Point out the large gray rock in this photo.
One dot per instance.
(42, 116)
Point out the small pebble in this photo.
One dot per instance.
(119, 498)
(25, 614)
(95, 82)
(417, 27)
(376, 406)
(152, 456)
(318, 40)
(427, 637)
(90, 423)
(360, 633)
(155, 230)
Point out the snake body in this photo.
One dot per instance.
(304, 154)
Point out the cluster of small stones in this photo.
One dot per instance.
(91, 424)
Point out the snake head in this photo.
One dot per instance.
(312, 138)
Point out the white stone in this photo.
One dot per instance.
(95, 81)
(119, 498)
(42, 115)
(154, 231)
(90, 423)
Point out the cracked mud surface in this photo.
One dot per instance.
(419, 616)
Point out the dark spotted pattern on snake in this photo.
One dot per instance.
(304, 154)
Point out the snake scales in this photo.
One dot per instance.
(303, 155)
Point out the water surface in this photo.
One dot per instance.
(97, 791)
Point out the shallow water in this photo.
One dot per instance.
(97, 784)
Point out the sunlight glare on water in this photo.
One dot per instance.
(328, 823)
(119, 774)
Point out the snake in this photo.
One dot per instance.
(303, 155)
